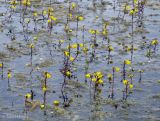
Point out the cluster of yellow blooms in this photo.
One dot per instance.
(126, 83)
(78, 17)
(110, 76)
(132, 11)
(47, 75)
(26, 2)
(55, 103)
(74, 46)
(92, 31)
(128, 48)
(51, 17)
(104, 30)
(13, 4)
(96, 77)
(41, 105)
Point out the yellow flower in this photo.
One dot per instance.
(94, 79)
(131, 86)
(127, 62)
(68, 73)
(28, 95)
(9, 75)
(117, 69)
(42, 106)
(98, 74)
(26, 2)
(92, 31)
(154, 42)
(66, 53)
(35, 14)
(71, 59)
(133, 11)
(70, 15)
(44, 12)
(73, 5)
(56, 103)
(14, 2)
(80, 18)
(31, 45)
(1, 65)
(100, 81)
(104, 32)
(88, 75)
(53, 18)
(44, 89)
(81, 45)
(49, 21)
(47, 75)
(125, 82)
(74, 46)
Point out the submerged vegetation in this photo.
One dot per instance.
(79, 60)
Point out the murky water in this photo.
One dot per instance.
(142, 105)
